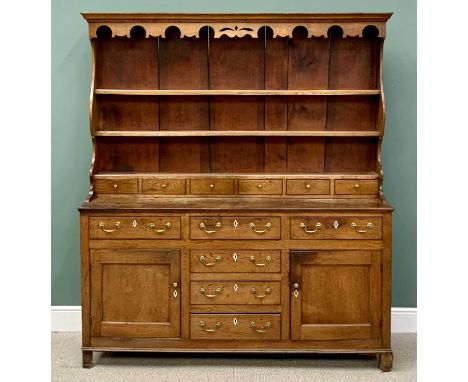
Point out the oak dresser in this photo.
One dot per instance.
(236, 200)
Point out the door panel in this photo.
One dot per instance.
(338, 295)
(133, 293)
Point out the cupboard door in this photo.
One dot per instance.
(335, 295)
(135, 293)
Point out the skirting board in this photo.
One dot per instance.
(68, 319)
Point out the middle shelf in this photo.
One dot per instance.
(232, 133)
(242, 92)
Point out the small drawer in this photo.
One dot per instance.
(356, 187)
(341, 227)
(308, 187)
(219, 260)
(116, 186)
(163, 186)
(240, 228)
(235, 293)
(235, 326)
(260, 187)
(212, 186)
(147, 227)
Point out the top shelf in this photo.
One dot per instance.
(341, 92)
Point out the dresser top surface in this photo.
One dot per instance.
(234, 204)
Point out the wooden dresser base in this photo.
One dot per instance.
(308, 281)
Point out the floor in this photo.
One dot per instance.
(140, 367)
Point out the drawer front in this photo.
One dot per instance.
(212, 186)
(214, 261)
(163, 186)
(235, 293)
(147, 227)
(307, 187)
(240, 228)
(260, 187)
(235, 326)
(356, 187)
(342, 227)
(116, 186)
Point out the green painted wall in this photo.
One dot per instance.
(71, 148)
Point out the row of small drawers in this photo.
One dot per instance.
(236, 228)
(218, 186)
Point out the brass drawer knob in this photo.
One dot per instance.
(260, 296)
(304, 227)
(109, 230)
(203, 261)
(262, 231)
(259, 186)
(115, 186)
(164, 186)
(167, 226)
(217, 292)
(212, 186)
(356, 186)
(307, 186)
(210, 230)
(175, 285)
(262, 329)
(296, 290)
(253, 260)
(362, 230)
(203, 326)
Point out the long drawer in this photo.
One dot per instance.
(237, 228)
(219, 260)
(146, 227)
(235, 326)
(235, 293)
(338, 227)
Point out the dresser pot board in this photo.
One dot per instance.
(236, 201)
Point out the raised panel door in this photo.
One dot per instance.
(135, 293)
(335, 295)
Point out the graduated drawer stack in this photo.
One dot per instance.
(246, 303)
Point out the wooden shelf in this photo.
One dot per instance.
(256, 175)
(225, 133)
(238, 92)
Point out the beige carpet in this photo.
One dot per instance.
(136, 367)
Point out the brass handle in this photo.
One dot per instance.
(108, 230)
(254, 291)
(267, 261)
(217, 292)
(304, 227)
(164, 185)
(263, 329)
(115, 186)
(368, 227)
(207, 230)
(212, 186)
(356, 186)
(307, 186)
(203, 324)
(260, 232)
(296, 286)
(166, 227)
(259, 186)
(203, 261)
(175, 285)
